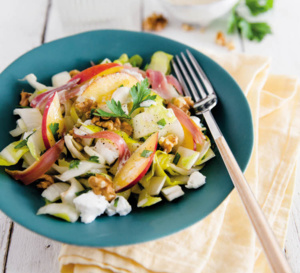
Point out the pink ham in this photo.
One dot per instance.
(160, 84)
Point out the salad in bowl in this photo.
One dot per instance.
(107, 138)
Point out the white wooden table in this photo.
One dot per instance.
(27, 24)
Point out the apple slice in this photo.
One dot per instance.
(188, 141)
(189, 125)
(101, 89)
(90, 72)
(38, 168)
(52, 118)
(137, 165)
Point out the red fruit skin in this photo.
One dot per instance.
(40, 167)
(141, 175)
(93, 71)
(44, 122)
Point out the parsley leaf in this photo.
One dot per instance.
(115, 107)
(140, 93)
(146, 153)
(23, 142)
(54, 127)
(257, 7)
(94, 158)
(254, 31)
(74, 164)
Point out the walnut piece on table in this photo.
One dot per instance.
(155, 22)
(24, 98)
(168, 142)
(101, 185)
(187, 27)
(47, 180)
(221, 40)
(184, 103)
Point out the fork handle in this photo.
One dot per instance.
(263, 230)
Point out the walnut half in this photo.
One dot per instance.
(155, 22)
(47, 180)
(184, 103)
(168, 142)
(24, 98)
(102, 185)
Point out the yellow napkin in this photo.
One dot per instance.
(224, 241)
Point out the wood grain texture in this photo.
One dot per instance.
(32, 253)
(5, 236)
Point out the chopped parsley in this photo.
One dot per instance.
(23, 142)
(162, 123)
(74, 164)
(116, 202)
(54, 127)
(146, 153)
(94, 158)
(176, 158)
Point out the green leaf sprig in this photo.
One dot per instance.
(139, 93)
(254, 31)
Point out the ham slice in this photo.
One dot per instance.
(173, 81)
(159, 83)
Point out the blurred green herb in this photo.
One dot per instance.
(254, 31)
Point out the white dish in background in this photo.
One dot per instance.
(201, 12)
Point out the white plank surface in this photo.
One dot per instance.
(29, 252)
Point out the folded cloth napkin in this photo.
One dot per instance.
(225, 240)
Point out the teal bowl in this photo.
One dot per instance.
(232, 113)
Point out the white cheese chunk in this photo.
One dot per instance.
(119, 205)
(196, 180)
(90, 206)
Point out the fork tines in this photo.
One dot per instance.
(198, 86)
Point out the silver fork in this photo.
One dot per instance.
(205, 99)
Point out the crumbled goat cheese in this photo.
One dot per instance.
(119, 205)
(196, 180)
(90, 206)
